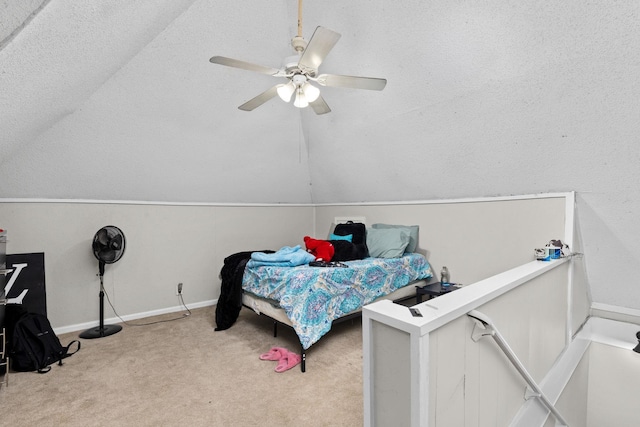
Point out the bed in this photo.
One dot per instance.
(310, 299)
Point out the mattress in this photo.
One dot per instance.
(271, 309)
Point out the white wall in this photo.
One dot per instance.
(613, 382)
(474, 238)
(606, 381)
(165, 245)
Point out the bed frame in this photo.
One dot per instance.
(268, 308)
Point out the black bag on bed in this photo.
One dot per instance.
(357, 248)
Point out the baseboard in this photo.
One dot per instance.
(611, 332)
(614, 312)
(114, 320)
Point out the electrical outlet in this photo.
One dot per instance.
(179, 289)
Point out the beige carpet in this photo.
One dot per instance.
(182, 373)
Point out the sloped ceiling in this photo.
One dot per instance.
(116, 100)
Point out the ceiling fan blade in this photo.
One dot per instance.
(236, 63)
(320, 106)
(260, 99)
(334, 80)
(319, 46)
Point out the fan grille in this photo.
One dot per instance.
(109, 244)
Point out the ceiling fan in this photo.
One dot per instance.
(301, 70)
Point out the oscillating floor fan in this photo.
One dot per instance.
(108, 247)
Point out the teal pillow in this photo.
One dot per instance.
(411, 229)
(387, 242)
(348, 237)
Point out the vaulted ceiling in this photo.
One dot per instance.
(117, 100)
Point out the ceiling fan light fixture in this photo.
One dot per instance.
(301, 100)
(285, 91)
(310, 92)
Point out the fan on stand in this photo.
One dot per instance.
(108, 247)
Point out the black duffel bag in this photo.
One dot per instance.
(357, 248)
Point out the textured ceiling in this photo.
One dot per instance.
(116, 100)
(15, 15)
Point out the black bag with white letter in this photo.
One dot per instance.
(33, 345)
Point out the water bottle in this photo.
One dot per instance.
(444, 277)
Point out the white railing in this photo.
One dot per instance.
(484, 327)
(426, 371)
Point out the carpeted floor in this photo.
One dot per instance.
(183, 373)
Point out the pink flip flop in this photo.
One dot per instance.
(288, 361)
(276, 353)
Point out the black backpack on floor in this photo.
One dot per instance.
(33, 345)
